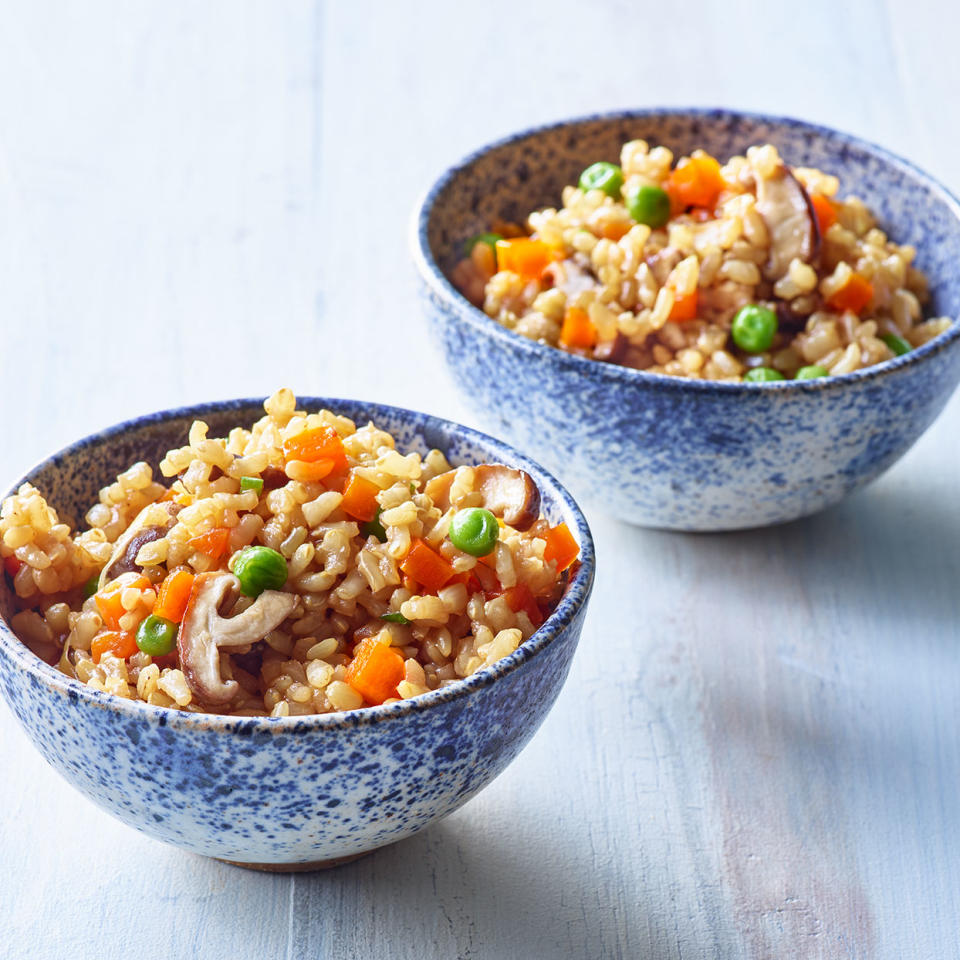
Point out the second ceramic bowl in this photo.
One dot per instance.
(663, 451)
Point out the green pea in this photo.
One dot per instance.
(762, 375)
(897, 344)
(251, 483)
(490, 239)
(649, 205)
(604, 176)
(90, 587)
(812, 372)
(374, 528)
(259, 569)
(394, 618)
(475, 531)
(156, 636)
(754, 328)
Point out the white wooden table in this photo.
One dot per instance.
(756, 754)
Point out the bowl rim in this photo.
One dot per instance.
(16, 654)
(440, 286)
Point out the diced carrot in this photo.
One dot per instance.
(616, 229)
(486, 576)
(854, 295)
(524, 256)
(520, 598)
(315, 445)
(701, 214)
(118, 642)
(424, 565)
(12, 565)
(213, 543)
(561, 547)
(469, 580)
(110, 607)
(183, 498)
(578, 331)
(360, 498)
(375, 670)
(825, 211)
(685, 307)
(173, 596)
(316, 471)
(696, 182)
(108, 599)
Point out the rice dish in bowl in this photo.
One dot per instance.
(300, 566)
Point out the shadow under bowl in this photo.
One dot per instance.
(668, 452)
(294, 792)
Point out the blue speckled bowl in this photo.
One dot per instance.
(297, 792)
(688, 454)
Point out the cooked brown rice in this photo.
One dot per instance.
(629, 279)
(341, 578)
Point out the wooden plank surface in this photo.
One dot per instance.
(760, 756)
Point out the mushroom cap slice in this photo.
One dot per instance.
(612, 351)
(507, 493)
(204, 631)
(150, 524)
(790, 220)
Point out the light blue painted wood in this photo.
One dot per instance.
(756, 753)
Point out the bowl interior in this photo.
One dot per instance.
(528, 171)
(71, 479)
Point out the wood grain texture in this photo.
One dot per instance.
(756, 754)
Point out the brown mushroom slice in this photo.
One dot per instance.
(273, 477)
(790, 220)
(510, 494)
(787, 320)
(150, 524)
(612, 351)
(204, 631)
(507, 493)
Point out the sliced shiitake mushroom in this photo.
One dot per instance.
(791, 223)
(507, 493)
(787, 320)
(150, 524)
(204, 631)
(273, 477)
(612, 351)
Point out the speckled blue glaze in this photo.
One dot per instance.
(685, 454)
(300, 789)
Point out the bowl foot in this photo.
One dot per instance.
(305, 867)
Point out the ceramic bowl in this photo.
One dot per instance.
(296, 792)
(688, 454)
